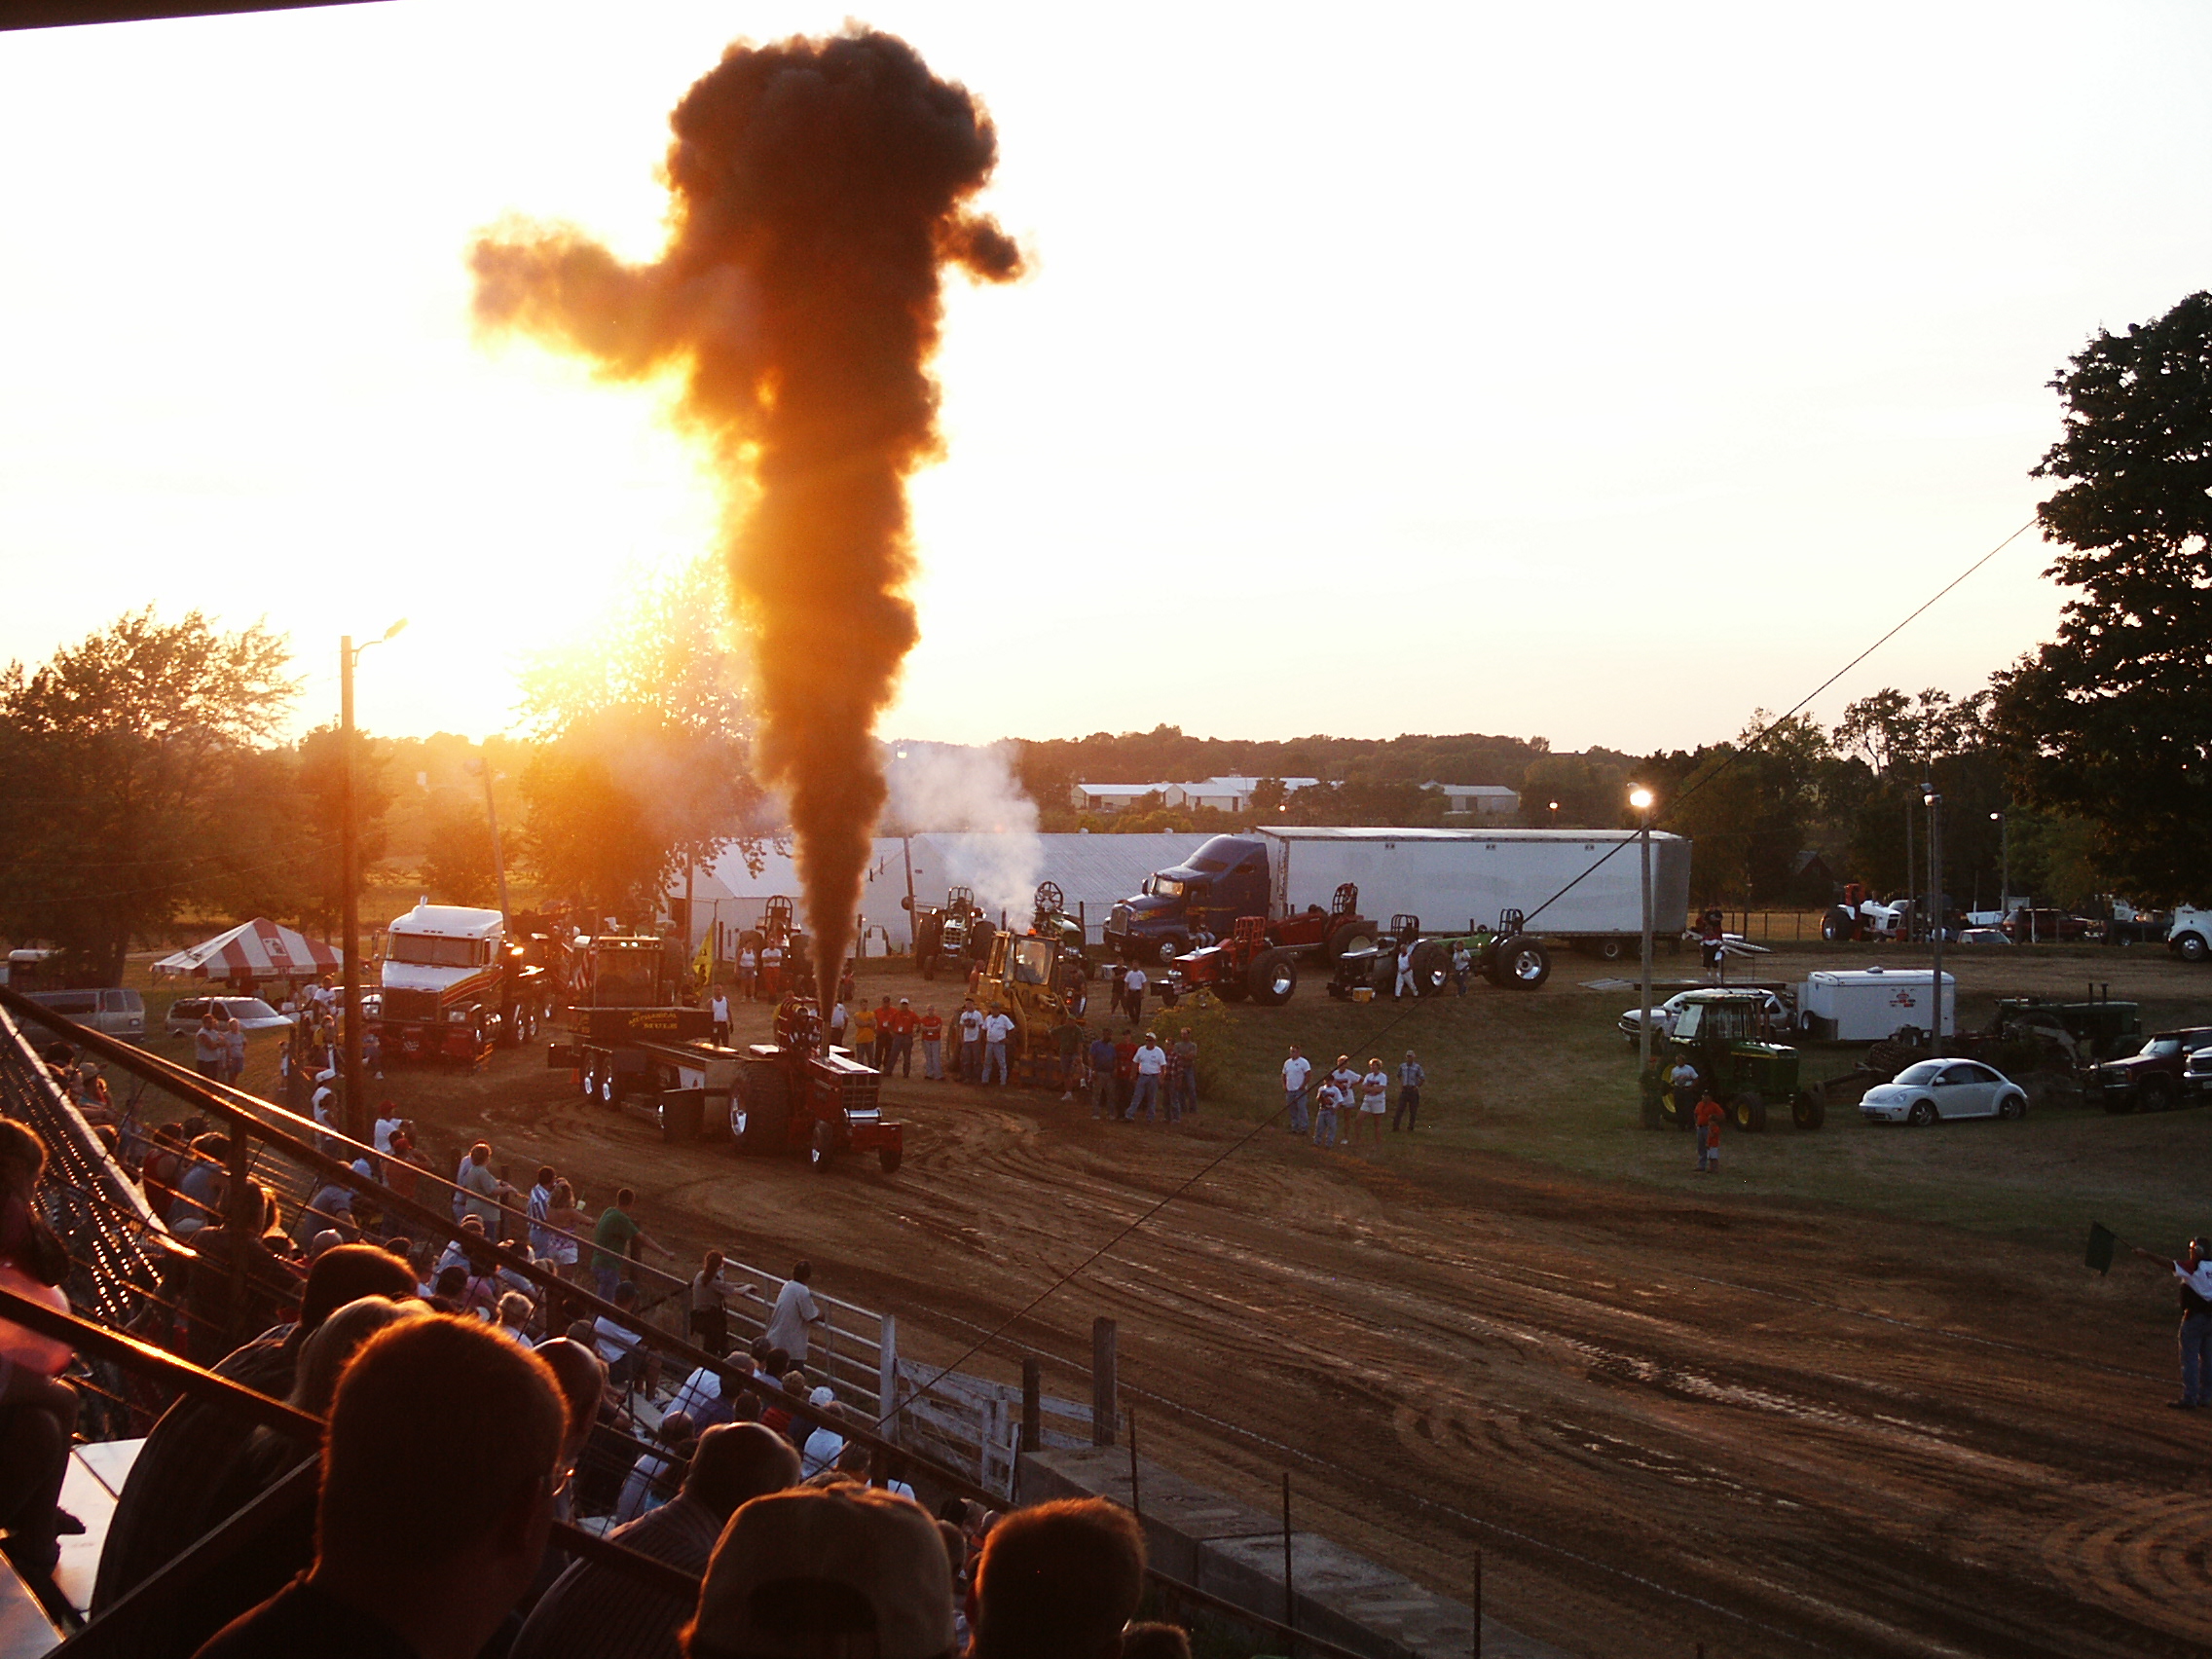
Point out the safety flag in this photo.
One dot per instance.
(703, 960)
(2102, 1238)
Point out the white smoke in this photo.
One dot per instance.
(950, 787)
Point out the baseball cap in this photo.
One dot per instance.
(794, 1566)
(821, 1396)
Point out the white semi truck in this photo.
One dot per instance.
(1580, 887)
(453, 984)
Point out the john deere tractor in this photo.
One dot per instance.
(1729, 1037)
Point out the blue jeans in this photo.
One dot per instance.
(1325, 1126)
(1186, 1093)
(994, 1059)
(971, 1061)
(933, 1063)
(1145, 1094)
(1298, 1122)
(2195, 1338)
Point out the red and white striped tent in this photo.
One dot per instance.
(258, 949)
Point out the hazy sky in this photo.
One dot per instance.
(1602, 372)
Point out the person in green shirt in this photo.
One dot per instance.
(612, 1236)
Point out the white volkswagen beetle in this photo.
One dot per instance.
(1930, 1089)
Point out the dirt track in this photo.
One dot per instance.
(1664, 1419)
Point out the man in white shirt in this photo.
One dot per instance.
(971, 1042)
(478, 1191)
(1410, 1079)
(747, 969)
(2194, 1288)
(837, 1021)
(998, 1026)
(825, 1443)
(389, 1124)
(1406, 986)
(718, 1009)
(1151, 1063)
(541, 1238)
(796, 1313)
(1133, 984)
(1295, 1071)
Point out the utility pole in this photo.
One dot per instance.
(2004, 867)
(1935, 895)
(357, 1089)
(482, 764)
(1641, 799)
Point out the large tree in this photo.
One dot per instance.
(643, 753)
(122, 762)
(2113, 719)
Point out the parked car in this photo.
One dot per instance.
(115, 1009)
(1985, 935)
(2196, 1076)
(250, 1012)
(1932, 1090)
(2152, 1078)
(2051, 927)
(1664, 1015)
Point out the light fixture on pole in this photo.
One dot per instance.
(1934, 805)
(1641, 799)
(2004, 822)
(356, 1094)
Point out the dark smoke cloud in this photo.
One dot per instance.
(819, 188)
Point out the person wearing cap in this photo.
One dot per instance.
(844, 1569)
(825, 1444)
(2193, 1289)
(1410, 1079)
(1059, 1581)
(1150, 1063)
(595, 1611)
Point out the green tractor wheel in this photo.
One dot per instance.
(1808, 1109)
(1748, 1110)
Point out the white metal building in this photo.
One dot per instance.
(1228, 795)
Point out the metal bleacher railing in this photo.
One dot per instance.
(122, 1257)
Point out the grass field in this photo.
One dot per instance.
(1548, 1078)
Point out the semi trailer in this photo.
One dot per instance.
(1579, 887)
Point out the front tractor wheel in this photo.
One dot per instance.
(1748, 1110)
(1273, 978)
(1808, 1109)
(1524, 963)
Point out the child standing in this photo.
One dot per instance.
(1325, 1104)
(1707, 1130)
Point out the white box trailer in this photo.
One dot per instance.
(1865, 1005)
(1579, 885)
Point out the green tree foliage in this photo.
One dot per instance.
(457, 867)
(132, 782)
(2111, 721)
(1592, 791)
(644, 743)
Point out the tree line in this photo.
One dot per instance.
(145, 776)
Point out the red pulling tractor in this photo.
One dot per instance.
(798, 1095)
(1259, 959)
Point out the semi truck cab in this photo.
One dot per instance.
(1225, 878)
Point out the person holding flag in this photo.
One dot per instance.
(2194, 1274)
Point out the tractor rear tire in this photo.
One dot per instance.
(1350, 936)
(1432, 967)
(1272, 978)
(1672, 1112)
(1747, 1111)
(760, 1110)
(1523, 963)
(890, 1158)
(1838, 925)
(1809, 1109)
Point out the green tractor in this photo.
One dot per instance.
(1729, 1037)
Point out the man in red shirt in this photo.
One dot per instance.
(1710, 1116)
(895, 1038)
(931, 1028)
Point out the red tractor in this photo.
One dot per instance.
(1243, 965)
(798, 1095)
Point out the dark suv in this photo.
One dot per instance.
(2157, 1075)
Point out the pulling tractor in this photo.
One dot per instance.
(1245, 964)
(798, 1095)
(1505, 956)
(779, 927)
(948, 932)
(1729, 1037)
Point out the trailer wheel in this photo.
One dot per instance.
(1523, 963)
(820, 1147)
(1350, 937)
(1432, 967)
(1272, 978)
(1748, 1110)
(890, 1158)
(1808, 1109)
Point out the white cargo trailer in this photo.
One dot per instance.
(1579, 885)
(1868, 1003)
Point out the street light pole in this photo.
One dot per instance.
(1936, 897)
(2004, 867)
(356, 1089)
(1641, 799)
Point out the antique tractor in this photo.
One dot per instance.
(1728, 1037)
(795, 1094)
